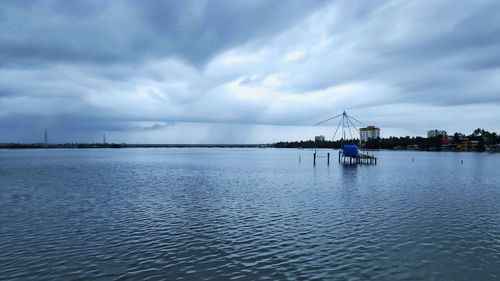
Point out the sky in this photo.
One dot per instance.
(245, 71)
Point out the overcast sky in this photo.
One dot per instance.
(251, 71)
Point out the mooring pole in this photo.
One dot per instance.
(328, 158)
(314, 158)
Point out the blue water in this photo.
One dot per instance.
(248, 214)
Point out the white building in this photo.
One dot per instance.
(319, 138)
(370, 132)
(435, 133)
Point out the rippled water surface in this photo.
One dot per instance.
(249, 214)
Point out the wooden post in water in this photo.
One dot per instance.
(328, 158)
(314, 158)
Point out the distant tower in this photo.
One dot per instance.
(46, 138)
(104, 139)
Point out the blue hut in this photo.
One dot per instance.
(350, 150)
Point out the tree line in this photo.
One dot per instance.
(479, 140)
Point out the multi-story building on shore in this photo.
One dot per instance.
(435, 133)
(370, 132)
(319, 138)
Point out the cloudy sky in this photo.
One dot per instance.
(247, 71)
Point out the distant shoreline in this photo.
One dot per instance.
(117, 146)
(16, 146)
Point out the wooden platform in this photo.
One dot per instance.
(362, 158)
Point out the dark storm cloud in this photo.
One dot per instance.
(428, 56)
(198, 30)
(111, 31)
(478, 30)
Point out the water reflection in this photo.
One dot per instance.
(349, 174)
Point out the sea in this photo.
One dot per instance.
(247, 214)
